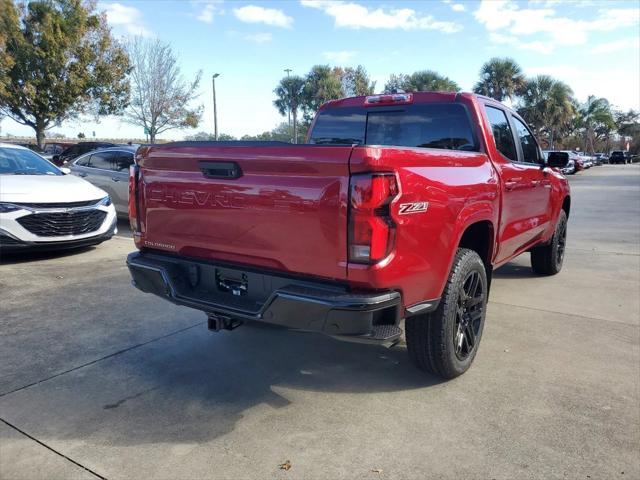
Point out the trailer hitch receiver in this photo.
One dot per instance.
(217, 322)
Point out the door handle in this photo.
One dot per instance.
(535, 183)
(510, 185)
(82, 174)
(115, 179)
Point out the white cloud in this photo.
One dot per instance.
(126, 19)
(549, 29)
(616, 46)
(534, 46)
(259, 37)
(342, 56)
(619, 86)
(268, 16)
(356, 16)
(458, 7)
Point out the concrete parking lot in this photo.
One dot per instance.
(100, 380)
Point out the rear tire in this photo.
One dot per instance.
(548, 259)
(445, 341)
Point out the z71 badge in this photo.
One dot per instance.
(416, 207)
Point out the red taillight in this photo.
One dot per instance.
(371, 230)
(133, 198)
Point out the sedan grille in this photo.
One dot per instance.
(85, 203)
(63, 223)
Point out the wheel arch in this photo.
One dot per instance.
(479, 236)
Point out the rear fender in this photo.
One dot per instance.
(471, 215)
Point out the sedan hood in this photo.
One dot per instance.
(47, 189)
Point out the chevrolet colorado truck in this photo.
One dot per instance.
(397, 208)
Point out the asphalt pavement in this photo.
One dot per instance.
(98, 380)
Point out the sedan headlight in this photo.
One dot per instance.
(106, 201)
(8, 207)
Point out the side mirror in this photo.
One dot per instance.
(65, 170)
(55, 159)
(557, 159)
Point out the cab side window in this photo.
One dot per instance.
(83, 161)
(103, 160)
(530, 152)
(502, 133)
(123, 160)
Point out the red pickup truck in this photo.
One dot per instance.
(398, 207)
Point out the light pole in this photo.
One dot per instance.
(288, 70)
(215, 108)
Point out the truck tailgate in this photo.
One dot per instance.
(278, 206)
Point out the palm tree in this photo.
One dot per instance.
(547, 106)
(596, 114)
(422, 81)
(500, 78)
(289, 92)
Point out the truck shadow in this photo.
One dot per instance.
(196, 386)
(514, 270)
(14, 258)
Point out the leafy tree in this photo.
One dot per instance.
(160, 97)
(289, 98)
(595, 114)
(81, 135)
(322, 84)
(430, 81)
(208, 137)
(226, 137)
(58, 60)
(356, 82)
(547, 106)
(396, 83)
(628, 123)
(280, 133)
(500, 78)
(422, 81)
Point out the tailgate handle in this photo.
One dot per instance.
(220, 169)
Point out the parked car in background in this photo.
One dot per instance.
(108, 169)
(78, 149)
(618, 156)
(601, 158)
(570, 169)
(54, 148)
(41, 207)
(587, 161)
(574, 165)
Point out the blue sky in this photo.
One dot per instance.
(592, 45)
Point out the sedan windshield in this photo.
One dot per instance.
(18, 161)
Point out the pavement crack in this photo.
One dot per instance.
(92, 362)
(604, 252)
(10, 425)
(130, 397)
(565, 313)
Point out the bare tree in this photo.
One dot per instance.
(160, 96)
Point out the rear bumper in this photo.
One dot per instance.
(371, 317)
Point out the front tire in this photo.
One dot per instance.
(445, 342)
(548, 259)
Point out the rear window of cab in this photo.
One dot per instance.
(434, 125)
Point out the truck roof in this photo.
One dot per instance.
(418, 97)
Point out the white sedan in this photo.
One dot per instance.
(43, 207)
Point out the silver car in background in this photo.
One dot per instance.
(108, 169)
